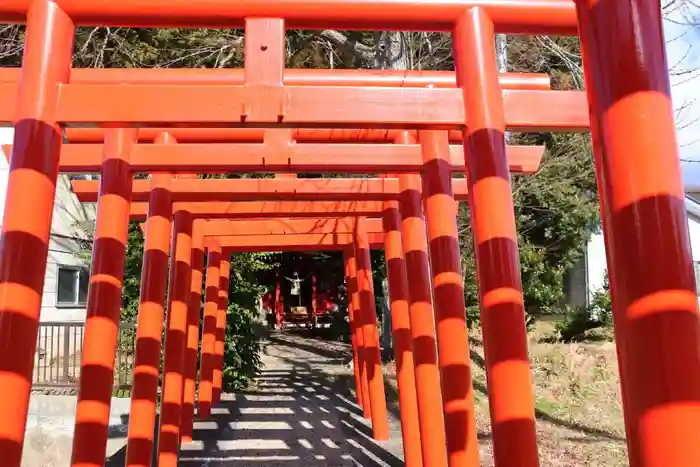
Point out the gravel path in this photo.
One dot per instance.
(300, 413)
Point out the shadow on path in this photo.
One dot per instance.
(299, 414)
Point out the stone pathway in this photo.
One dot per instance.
(300, 414)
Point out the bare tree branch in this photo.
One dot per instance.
(360, 50)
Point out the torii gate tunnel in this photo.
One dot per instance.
(394, 125)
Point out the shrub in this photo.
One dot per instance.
(578, 321)
(242, 348)
(601, 305)
(573, 326)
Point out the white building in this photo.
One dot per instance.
(588, 275)
(66, 280)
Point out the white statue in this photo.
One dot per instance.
(296, 285)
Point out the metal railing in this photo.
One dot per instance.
(59, 349)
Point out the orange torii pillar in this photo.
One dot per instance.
(312, 315)
(401, 331)
(25, 236)
(448, 301)
(175, 340)
(354, 338)
(149, 330)
(422, 322)
(496, 245)
(194, 314)
(354, 301)
(618, 318)
(278, 306)
(104, 302)
(222, 313)
(657, 324)
(211, 308)
(368, 323)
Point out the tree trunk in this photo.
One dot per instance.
(391, 51)
(391, 54)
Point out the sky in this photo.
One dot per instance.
(683, 52)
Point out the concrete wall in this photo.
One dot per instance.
(70, 218)
(575, 284)
(49, 432)
(596, 262)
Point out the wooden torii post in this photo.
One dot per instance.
(636, 159)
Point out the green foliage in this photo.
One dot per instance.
(131, 287)
(556, 211)
(601, 304)
(245, 288)
(243, 326)
(573, 326)
(132, 273)
(578, 321)
(241, 348)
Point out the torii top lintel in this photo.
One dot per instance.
(529, 87)
(338, 107)
(509, 16)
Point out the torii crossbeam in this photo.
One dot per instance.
(268, 209)
(267, 189)
(362, 158)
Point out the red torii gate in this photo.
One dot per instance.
(248, 239)
(251, 235)
(145, 188)
(434, 444)
(406, 378)
(222, 189)
(636, 161)
(183, 320)
(233, 236)
(361, 234)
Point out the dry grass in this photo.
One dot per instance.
(577, 403)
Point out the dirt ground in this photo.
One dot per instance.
(577, 402)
